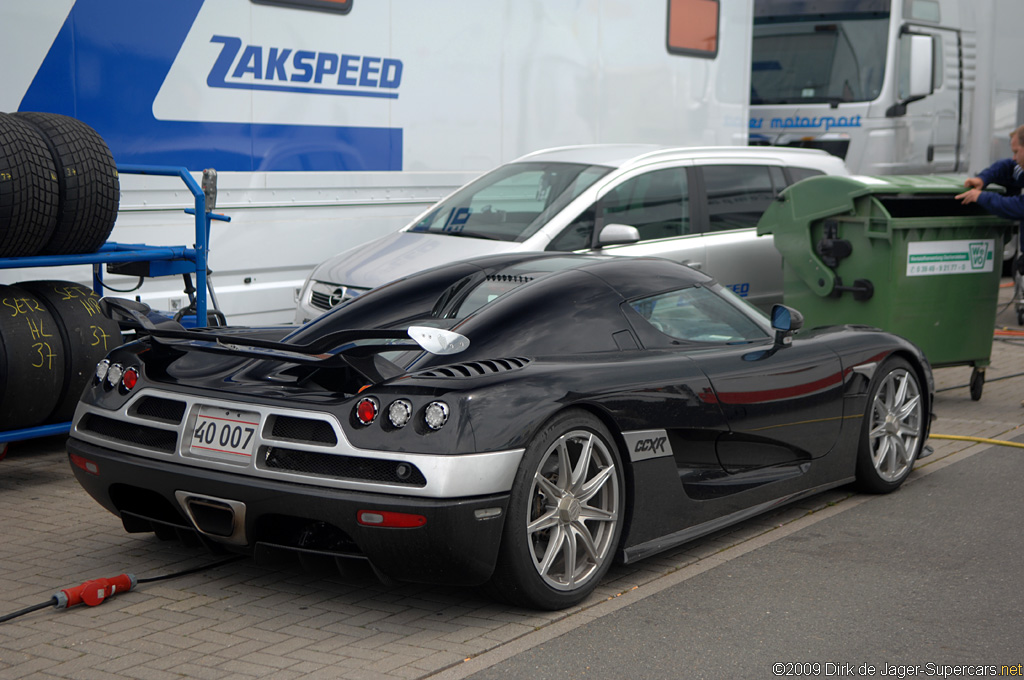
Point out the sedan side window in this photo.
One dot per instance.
(737, 195)
(656, 203)
(698, 315)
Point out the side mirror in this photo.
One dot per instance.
(785, 321)
(916, 71)
(617, 234)
(921, 64)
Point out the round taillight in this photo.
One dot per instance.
(114, 374)
(101, 370)
(436, 415)
(130, 378)
(400, 412)
(366, 410)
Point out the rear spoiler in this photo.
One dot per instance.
(328, 351)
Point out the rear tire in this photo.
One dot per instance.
(28, 189)
(892, 433)
(89, 189)
(565, 515)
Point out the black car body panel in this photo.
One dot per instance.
(708, 431)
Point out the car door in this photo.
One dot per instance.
(734, 196)
(783, 403)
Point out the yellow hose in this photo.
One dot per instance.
(980, 440)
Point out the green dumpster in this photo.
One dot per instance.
(899, 253)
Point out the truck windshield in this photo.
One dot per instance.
(511, 202)
(831, 51)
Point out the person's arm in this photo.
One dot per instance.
(1000, 172)
(1010, 207)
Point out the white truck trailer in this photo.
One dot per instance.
(891, 86)
(332, 122)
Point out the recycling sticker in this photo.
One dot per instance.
(933, 258)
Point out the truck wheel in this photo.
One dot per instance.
(564, 517)
(891, 434)
(86, 334)
(89, 189)
(28, 189)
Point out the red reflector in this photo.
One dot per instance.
(383, 518)
(366, 410)
(130, 378)
(85, 464)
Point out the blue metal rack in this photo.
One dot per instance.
(163, 261)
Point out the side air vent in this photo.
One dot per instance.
(475, 369)
(153, 438)
(509, 278)
(303, 430)
(158, 408)
(344, 467)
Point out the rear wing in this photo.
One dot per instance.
(333, 350)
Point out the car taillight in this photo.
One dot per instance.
(114, 374)
(85, 464)
(395, 520)
(400, 412)
(101, 370)
(436, 415)
(366, 410)
(130, 379)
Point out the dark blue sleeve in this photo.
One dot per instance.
(1000, 172)
(1010, 207)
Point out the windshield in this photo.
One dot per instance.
(834, 54)
(512, 202)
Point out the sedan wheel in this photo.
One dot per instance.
(892, 433)
(565, 515)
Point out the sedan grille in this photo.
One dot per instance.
(347, 467)
(328, 295)
(474, 369)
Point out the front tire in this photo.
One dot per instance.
(892, 434)
(565, 515)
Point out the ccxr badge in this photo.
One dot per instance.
(645, 444)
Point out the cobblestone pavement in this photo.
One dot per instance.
(243, 620)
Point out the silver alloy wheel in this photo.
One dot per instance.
(573, 510)
(896, 421)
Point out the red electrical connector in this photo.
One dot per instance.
(94, 592)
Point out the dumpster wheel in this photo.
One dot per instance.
(977, 383)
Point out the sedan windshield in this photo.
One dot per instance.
(512, 202)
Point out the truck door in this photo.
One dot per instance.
(934, 122)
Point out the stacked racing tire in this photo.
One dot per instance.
(59, 195)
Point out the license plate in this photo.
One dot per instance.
(224, 431)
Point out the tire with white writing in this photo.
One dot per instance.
(86, 334)
(31, 360)
(565, 515)
(28, 189)
(89, 188)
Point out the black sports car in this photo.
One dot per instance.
(520, 420)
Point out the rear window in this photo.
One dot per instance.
(697, 314)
